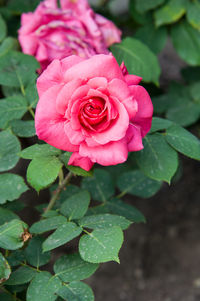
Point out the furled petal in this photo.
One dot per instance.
(109, 154)
(132, 79)
(42, 53)
(97, 82)
(134, 138)
(83, 162)
(49, 124)
(110, 32)
(144, 114)
(118, 127)
(97, 66)
(75, 137)
(65, 95)
(29, 43)
(121, 91)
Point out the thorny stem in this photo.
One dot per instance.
(56, 194)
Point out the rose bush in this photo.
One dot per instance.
(54, 33)
(93, 108)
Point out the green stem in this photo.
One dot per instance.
(56, 194)
(31, 112)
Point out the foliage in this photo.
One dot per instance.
(92, 211)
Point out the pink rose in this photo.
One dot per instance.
(93, 108)
(53, 33)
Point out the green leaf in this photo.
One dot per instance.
(136, 183)
(183, 34)
(43, 287)
(193, 13)
(39, 150)
(191, 74)
(7, 45)
(144, 5)
(16, 257)
(31, 93)
(61, 236)
(76, 206)
(17, 69)
(74, 169)
(159, 124)
(119, 207)
(140, 18)
(22, 6)
(22, 275)
(6, 216)
(16, 205)
(195, 91)
(160, 103)
(23, 128)
(72, 267)
(154, 38)
(5, 270)
(170, 12)
(183, 141)
(9, 148)
(103, 221)
(11, 234)
(76, 291)
(100, 185)
(138, 58)
(48, 224)
(3, 29)
(13, 107)
(33, 252)
(11, 187)
(43, 171)
(101, 245)
(157, 160)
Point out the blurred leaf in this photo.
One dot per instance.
(136, 183)
(183, 141)
(5, 269)
(138, 58)
(191, 74)
(39, 150)
(6, 216)
(9, 149)
(13, 107)
(183, 34)
(195, 91)
(16, 257)
(76, 206)
(157, 160)
(103, 221)
(11, 234)
(43, 287)
(154, 38)
(160, 124)
(3, 29)
(11, 187)
(17, 69)
(48, 224)
(7, 45)
(72, 267)
(101, 245)
(23, 128)
(22, 275)
(76, 291)
(140, 18)
(6, 297)
(119, 207)
(22, 6)
(61, 236)
(144, 5)
(193, 13)
(171, 12)
(34, 254)
(100, 185)
(43, 171)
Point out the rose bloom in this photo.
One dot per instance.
(54, 33)
(93, 108)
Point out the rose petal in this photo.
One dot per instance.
(75, 137)
(97, 82)
(109, 154)
(144, 114)
(97, 66)
(83, 162)
(49, 124)
(134, 138)
(132, 79)
(121, 91)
